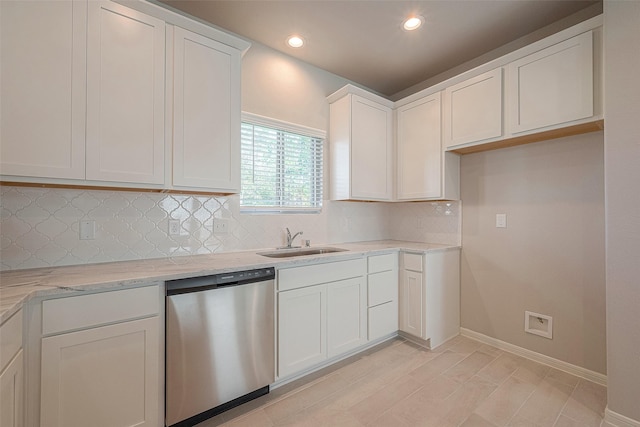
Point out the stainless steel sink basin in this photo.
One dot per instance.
(288, 253)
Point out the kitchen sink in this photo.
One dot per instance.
(288, 253)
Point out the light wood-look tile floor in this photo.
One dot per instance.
(398, 384)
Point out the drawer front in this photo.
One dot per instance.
(300, 277)
(10, 339)
(383, 287)
(378, 263)
(383, 320)
(64, 314)
(412, 262)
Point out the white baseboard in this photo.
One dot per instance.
(613, 419)
(578, 371)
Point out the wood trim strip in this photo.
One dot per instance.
(107, 188)
(535, 137)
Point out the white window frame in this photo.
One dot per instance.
(256, 119)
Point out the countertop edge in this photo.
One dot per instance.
(19, 287)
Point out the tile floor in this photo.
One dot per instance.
(398, 384)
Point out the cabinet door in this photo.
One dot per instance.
(419, 149)
(302, 329)
(125, 95)
(411, 308)
(106, 376)
(552, 86)
(11, 401)
(473, 109)
(206, 125)
(371, 150)
(43, 88)
(346, 315)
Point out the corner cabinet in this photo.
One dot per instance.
(424, 171)
(101, 359)
(430, 296)
(206, 113)
(361, 146)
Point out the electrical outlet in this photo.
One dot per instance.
(220, 226)
(87, 230)
(174, 227)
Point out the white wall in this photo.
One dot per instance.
(622, 177)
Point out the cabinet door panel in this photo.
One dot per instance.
(43, 73)
(106, 376)
(383, 320)
(411, 304)
(419, 149)
(382, 287)
(552, 86)
(346, 315)
(125, 95)
(473, 109)
(206, 132)
(302, 330)
(11, 385)
(371, 152)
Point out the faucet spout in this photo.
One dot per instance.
(290, 238)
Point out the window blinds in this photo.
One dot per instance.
(280, 170)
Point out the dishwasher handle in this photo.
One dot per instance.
(205, 283)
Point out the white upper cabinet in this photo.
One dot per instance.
(419, 149)
(43, 88)
(552, 86)
(206, 113)
(472, 109)
(125, 95)
(360, 134)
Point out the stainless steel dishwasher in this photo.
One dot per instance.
(219, 343)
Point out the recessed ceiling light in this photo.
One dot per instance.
(295, 41)
(413, 23)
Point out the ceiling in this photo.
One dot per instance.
(362, 40)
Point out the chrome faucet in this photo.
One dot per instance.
(290, 238)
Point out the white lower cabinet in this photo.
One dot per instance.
(322, 313)
(411, 310)
(11, 386)
(382, 295)
(302, 329)
(430, 295)
(11, 372)
(109, 372)
(346, 315)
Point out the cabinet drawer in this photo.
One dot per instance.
(378, 263)
(59, 315)
(412, 262)
(383, 287)
(10, 339)
(383, 320)
(299, 277)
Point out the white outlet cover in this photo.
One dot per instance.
(174, 227)
(87, 230)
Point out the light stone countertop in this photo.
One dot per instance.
(19, 286)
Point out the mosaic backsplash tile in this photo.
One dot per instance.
(40, 227)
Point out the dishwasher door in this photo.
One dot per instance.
(219, 347)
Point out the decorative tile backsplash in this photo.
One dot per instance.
(40, 227)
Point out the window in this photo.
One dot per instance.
(281, 166)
